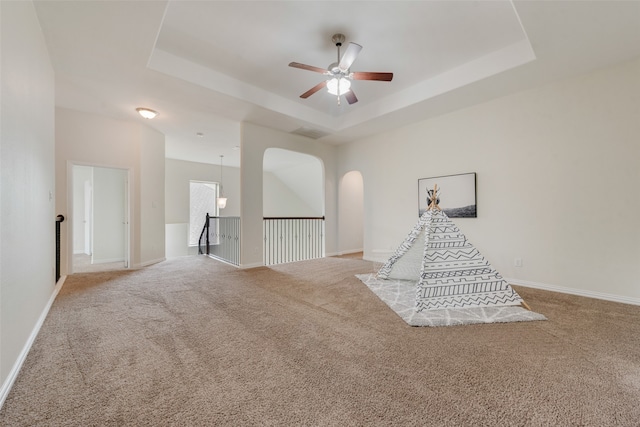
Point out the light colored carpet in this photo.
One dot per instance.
(82, 264)
(194, 342)
(400, 296)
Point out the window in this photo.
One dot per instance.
(202, 200)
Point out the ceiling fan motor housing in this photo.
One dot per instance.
(338, 39)
(335, 70)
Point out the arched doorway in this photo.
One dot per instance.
(293, 206)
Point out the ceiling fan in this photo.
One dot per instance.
(340, 76)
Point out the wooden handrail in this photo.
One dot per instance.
(293, 217)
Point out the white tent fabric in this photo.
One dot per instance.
(449, 271)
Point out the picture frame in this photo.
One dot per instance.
(457, 194)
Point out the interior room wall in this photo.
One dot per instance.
(178, 175)
(255, 140)
(27, 215)
(108, 215)
(95, 140)
(280, 200)
(351, 213)
(557, 181)
(304, 178)
(151, 176)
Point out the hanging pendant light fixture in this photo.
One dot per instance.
(222, 201)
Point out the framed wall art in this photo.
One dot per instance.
(457, 194)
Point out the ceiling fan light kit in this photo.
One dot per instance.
(340, 76)
(339, 86)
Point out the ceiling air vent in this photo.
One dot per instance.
(310, 133)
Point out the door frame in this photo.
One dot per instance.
(71, 219)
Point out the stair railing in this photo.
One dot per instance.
(220, 238)
(289, 239)
(59, 220)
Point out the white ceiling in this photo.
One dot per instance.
(208, 65)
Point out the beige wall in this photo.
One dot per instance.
(151, 177)
(350, 207)
(558, 178)
(279, 200)
(27, 215)
(90, 139)
(294, 188)
(180, 172)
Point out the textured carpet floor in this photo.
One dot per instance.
(195, 342)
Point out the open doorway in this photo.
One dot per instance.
(100, 220)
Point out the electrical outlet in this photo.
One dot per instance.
(517, 262)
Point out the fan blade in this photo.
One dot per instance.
(308, 67)
(351, 97)
(314, 89)
(385, 77)
(349, 56)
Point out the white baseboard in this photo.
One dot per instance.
(148, 263)
(247, 266)
(573, 291)
(348, 251)
(106, 260)
(223, 261)
(376, 258)
(15, 369)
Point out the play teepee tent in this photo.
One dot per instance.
(447, 276)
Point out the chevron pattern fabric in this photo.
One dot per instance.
(390, 269)
(453, 273)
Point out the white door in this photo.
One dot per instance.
(108, 215)
(101, 218)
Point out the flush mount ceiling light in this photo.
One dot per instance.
(147, 113)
